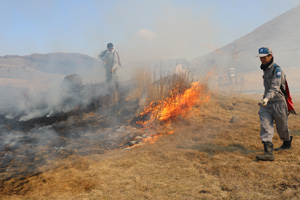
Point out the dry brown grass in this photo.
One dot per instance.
(150, 87)
(207, 157)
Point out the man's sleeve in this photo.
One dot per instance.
(101, 55)
(275, 83)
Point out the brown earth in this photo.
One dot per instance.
(209, 156)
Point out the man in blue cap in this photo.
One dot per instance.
(273, 106)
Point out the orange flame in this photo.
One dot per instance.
(177, 104)
(153, 138)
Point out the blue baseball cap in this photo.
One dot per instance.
(264, 51)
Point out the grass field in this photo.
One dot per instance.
(210, 155)
(207, 157)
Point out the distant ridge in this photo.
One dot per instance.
(57, 63)
(282, 34)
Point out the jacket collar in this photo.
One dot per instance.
(268, 65)
(113, 50)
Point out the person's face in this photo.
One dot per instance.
(110, 49)
(266, 59)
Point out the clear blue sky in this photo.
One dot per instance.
(142, 29)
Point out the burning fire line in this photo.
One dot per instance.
(177, 104)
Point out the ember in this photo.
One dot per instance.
(155, 137)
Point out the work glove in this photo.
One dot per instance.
(263, 102)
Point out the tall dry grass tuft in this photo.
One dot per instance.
(141, 80)
(157, 86)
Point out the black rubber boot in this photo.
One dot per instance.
(285, 145)
(268, 155)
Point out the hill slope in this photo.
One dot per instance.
(281, 34)
(58, 63)
(38, 71)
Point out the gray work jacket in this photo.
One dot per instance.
(273, 79)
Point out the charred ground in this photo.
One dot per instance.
(27, 146)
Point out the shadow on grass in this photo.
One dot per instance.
(211, 149)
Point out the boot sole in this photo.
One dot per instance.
(278, 149)
(266, 159)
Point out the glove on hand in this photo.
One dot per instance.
(264, 102)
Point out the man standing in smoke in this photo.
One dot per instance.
(273, 106)
(111, 62)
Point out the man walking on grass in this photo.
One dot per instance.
(273, 106)
(111, 61)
